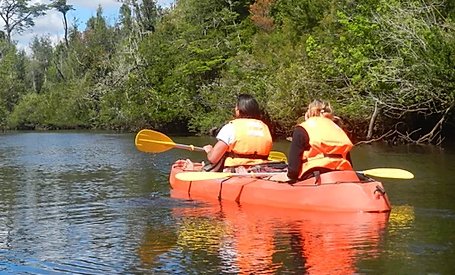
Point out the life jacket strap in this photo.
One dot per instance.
(333, 155)
(247, 156)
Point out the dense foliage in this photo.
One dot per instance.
(387, 67)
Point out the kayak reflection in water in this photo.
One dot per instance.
(253, 239)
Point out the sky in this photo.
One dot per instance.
(51, 24)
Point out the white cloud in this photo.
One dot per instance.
(50, 25)
(90, 4)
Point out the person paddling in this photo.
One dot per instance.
(318, 145)
(244, 141)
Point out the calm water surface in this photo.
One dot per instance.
(90, 203)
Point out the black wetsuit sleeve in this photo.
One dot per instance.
(300, 143)
(348, 158)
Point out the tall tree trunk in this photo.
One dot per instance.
(372, 121)
(65, 25)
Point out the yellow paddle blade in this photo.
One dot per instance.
(195, 176)
(393, 173)
(278, 156)
(152, 141)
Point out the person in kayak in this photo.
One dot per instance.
(318, 144)
(244, 141)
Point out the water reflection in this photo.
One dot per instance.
(402, 217)
(155, 241)
(262, 240)
(90, 203)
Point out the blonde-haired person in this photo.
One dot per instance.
(318, 145)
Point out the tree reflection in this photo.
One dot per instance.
(155, 242)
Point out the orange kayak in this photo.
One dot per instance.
(340, 191)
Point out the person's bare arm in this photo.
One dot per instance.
(215, 153)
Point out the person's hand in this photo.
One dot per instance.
(207, 148)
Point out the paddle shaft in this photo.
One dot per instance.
(176, 145)
(188, 147)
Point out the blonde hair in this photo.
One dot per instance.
(319, 108)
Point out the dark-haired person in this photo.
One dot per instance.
(244, 141)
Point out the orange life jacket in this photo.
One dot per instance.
(252, 144)
(329, 145)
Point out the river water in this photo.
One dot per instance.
(90, 203)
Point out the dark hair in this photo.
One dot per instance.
(248, 107)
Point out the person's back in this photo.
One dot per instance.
(329, 146)
(244, 141)
(252, 143)
(318, 144)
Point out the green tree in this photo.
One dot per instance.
(19, 15)
(42, 53)
(188, 50)
(63, 8)
(12, 77)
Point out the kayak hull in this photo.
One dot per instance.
(335, 191)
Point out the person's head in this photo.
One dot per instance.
(247, 107)
(319, 108)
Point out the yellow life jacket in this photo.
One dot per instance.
(252, 143)
(329, 145)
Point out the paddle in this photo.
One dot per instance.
(277, 156)
(392, 173)
(150, 141)
(196, 176)
(395, 173)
